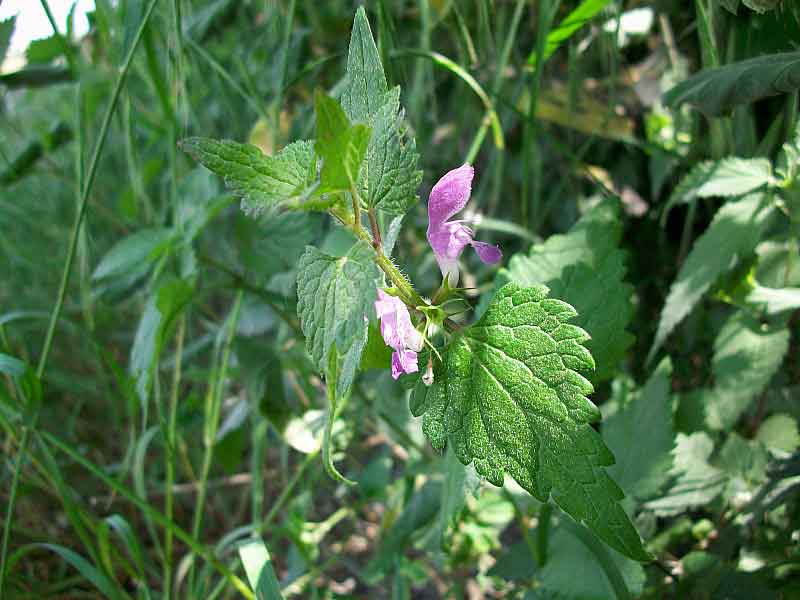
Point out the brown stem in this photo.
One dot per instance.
(377, 243)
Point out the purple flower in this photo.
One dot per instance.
(399, 333)
(448, 238)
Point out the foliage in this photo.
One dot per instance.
(198, 398)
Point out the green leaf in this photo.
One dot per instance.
(576, 568)
(727, 177)
(92, 574)
(341, 145)
(6, 31)
(44, 50)
(696, 483)
(160, 311)
(788, 162)
(334, 295)
(390, 172)
(641, 437)
(260, 181)
(13, 367)
(390, 176)
(579, 17)
(734, 232)
(779, 432)
(260, 572)
(365, 88)
(510, 396)
(129, 254)
(377, 355)
(774, 301)
(745, 461)
(585, 268)
(746, 356)
(717, 91)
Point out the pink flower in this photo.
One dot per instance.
(448, 238)
(399, 333)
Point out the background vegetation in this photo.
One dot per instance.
(161, 417)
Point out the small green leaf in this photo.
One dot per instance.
(788, 162)
(511, 397)
(746, 356)
(734, 232)
(260, 572)
(717, 91)
(727, 177)
(366, 87)
(579, 17)
(160, 311)
(44, 50)
(586, 268)
(779, 432)
(335, 297)
(6, 31)
(341, 145)
(108, 587)
(641, 436)
(696, 482)
(128, 255)
(13, 367)
(260, 181)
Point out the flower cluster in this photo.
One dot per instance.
(399, 333)
(448, 240)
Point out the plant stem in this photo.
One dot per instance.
(172, 420)
(377, 243)
(62, 290)
(212, 413)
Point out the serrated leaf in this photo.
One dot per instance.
(511, 397)
(586, 269)
(746, 356)
(390, 172)
(730, 176)
(335, 297)
(341, 145)
(733, 233)
(6, 31)
(717, 91)
(260, 181)
(696, 481)
(743, 459)
(390, 176)
(44, 50)
(366, 85)
(641, 436)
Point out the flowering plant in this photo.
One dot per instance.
(509, 392)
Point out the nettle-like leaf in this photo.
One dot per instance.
(730, 176)
(389, 176)
(734, 232)
(717, 91)
(334, 295)
(746, 356)
(585, 268)
(260, 181)
(643, 472)
(510, 395)
(341, 145)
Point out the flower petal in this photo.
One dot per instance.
(404, 361)
(449, 195)
(488, 253)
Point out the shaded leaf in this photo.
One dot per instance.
(510, 396)
(257, 565)
(733, 233)
(696, 482)
(717, 91)
(366, 87)
(128, 255)
(746, 356)
(727, 177)
(779, 432)
(641, 437)
(576, 19)
(6, 31)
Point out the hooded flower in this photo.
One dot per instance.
(448, 238)
(399, 333)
